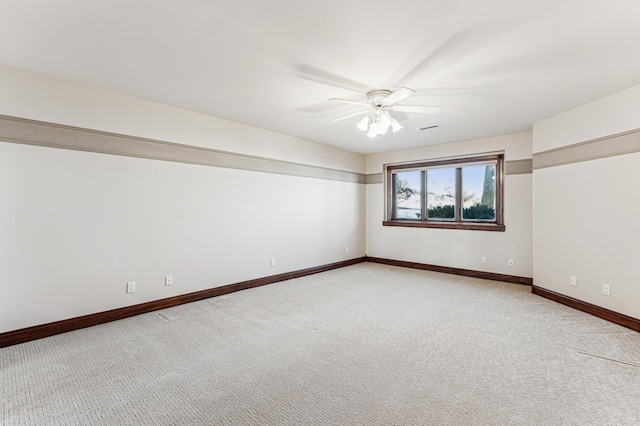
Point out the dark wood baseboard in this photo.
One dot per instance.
(600, 312)
(606, 314)
(45, 330)
(455, 271)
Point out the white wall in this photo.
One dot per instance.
(586, 213)
(37, 97)
(453, 247)
(76, 226)
(613, 114)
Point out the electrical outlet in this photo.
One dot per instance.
(510, 263)
(573, 281)
(606, 289)
(131, 287)
(483, 259)
(168, 280)
(346, 250)
(273, 263)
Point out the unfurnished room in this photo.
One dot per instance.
(346, 212)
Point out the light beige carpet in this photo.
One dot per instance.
(363, 345)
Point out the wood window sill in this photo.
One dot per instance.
(476, 226)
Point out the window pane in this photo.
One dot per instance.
(408, 199)
(441, 193)
(479, 192)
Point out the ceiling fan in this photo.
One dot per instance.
(378, 103)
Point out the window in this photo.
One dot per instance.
(458, 193)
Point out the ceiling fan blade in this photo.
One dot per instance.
(398, 95)
(416, 108)
(347, 101)
(350, 115)
(431, 59)
(321, 76)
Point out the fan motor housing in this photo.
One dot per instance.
(375, 97)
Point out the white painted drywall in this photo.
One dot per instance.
(452, 247)
(586, 214)
(38, 97)
(517, 146)
(76, 226)
(613, 114)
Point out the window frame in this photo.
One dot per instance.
(390, 171)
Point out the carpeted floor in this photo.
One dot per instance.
(362, 345)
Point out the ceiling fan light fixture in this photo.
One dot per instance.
(380, 102)
(372, 131)
(379, 126)
(363, 124)
(395, 125)
(385, 120)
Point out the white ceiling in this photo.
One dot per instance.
(494, 66)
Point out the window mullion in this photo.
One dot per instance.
(423, 195)
(499, 176)
(458, 209)
(394, 204)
